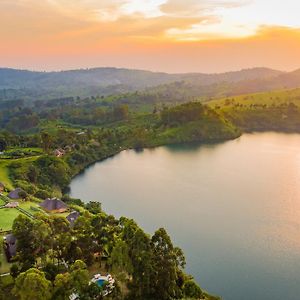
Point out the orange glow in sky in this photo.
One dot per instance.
(160, 35)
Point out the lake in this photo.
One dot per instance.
(233, 207)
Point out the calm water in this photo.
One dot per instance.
(234, 208)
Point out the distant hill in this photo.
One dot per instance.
(280, 81)
(24, 84)
(101, 77)
(270, 98)
(273, 110)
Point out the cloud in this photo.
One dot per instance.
(107, 11)
(170, 35)
(155, 19)
(192, 8)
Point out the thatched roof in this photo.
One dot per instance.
(2, 185)
(72, 217)
(15, 193)
(12, 204)
(53, 204)
(10, 245)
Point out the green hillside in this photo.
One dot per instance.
(266, 98)
(278, 111)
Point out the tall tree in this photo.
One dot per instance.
(47, 141)
(32, 284)
(167, 260)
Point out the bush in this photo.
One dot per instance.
(42, 194)
(192, 290)
(67, 199)
(52, 171)
(26, 186)
(51, 270)
(94, 207)
(14, 271)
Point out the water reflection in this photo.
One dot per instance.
(233, 207)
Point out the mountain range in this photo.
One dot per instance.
(104, 81)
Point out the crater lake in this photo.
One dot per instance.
(233, 207)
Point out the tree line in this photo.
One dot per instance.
(53, 257)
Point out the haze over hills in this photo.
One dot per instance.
(25, 84)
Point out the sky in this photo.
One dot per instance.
(160, 35)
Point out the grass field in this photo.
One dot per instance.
(4, 177)
(31, 207)
(26, 149)
(2, 202)
(7, 216)
(268, 98)
(4, 168)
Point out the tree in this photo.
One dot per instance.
(51, 270)
(3, 144)
(94, 207)
(23, 195)
(192, 290)
(62, 287)
(141, 255)
(60, 238)
(166, 263)
(120, 112)
(33, 238)
(46, 141)
(79, 277)
(52, 171)
(76, 281)
(119, 258)
(14, 271)
(32, 284)
(32, 174)
(22, 229)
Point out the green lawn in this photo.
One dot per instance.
(4, 168)
(31, 207)
(25, 149)
(64, 214)
(4, 178)
(7, 216)
(268, 98)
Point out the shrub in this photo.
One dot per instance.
(192, 290)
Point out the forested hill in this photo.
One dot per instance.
(16, 84)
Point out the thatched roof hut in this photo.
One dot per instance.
(54, 205)
(15, 194)
(2, 187)
(10, 246)
(72, 217)
(12, 204)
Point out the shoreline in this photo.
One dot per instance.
(200, 143)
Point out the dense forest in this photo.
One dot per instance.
(53, 258)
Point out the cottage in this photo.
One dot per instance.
(12, 204)
(54, 205)
(15, 194)
(10, 246)
(72, 217)
(2, 187)
(59, 152)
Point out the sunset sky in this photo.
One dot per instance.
(159, 35)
